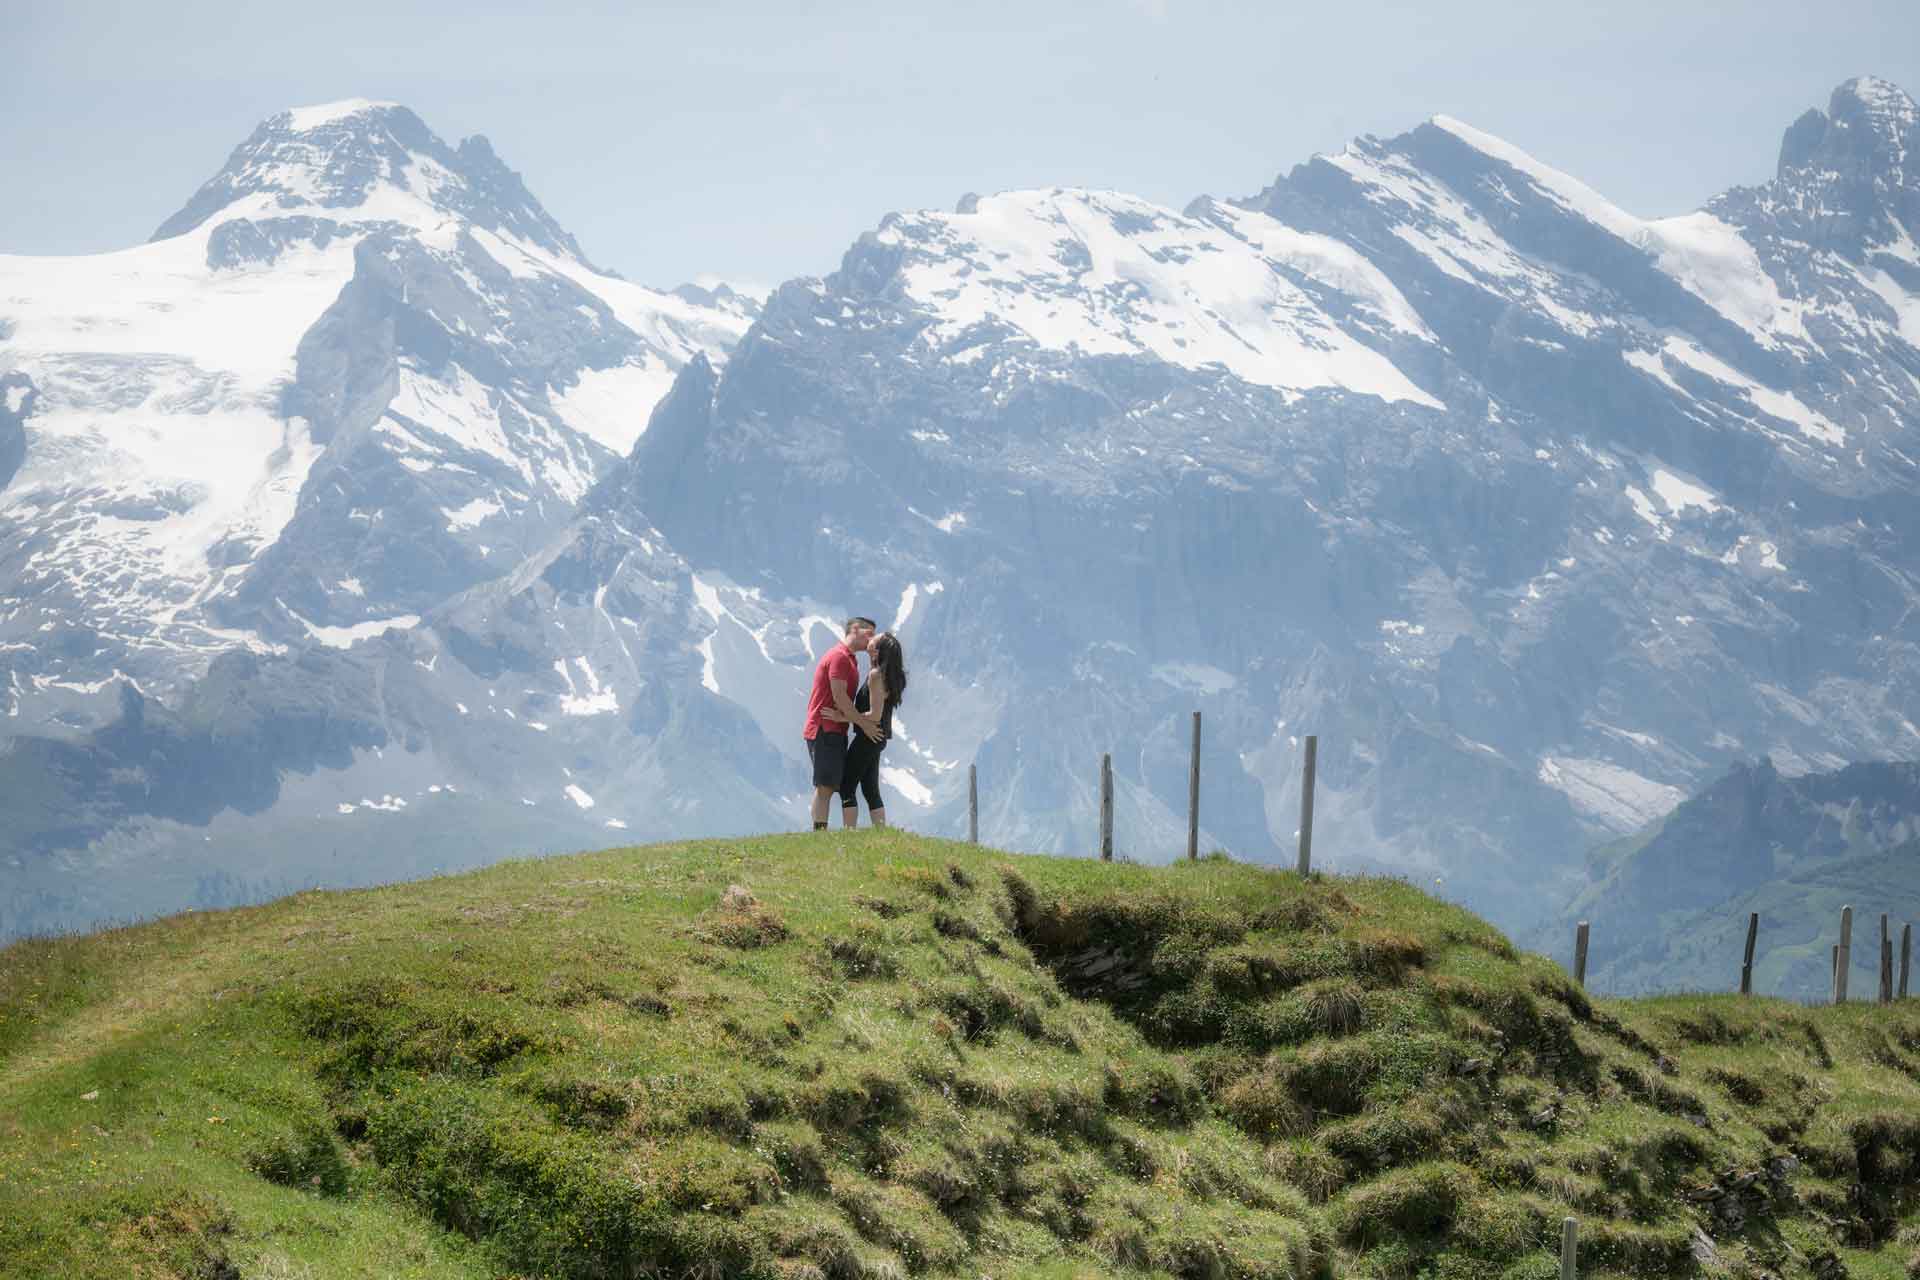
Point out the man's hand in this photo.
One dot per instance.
(850, 714)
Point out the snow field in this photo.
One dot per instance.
(1103, 273)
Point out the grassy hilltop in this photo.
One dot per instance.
(883, 1055)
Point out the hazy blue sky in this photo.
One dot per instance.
(756, 140)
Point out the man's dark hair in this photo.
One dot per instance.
(857, 621)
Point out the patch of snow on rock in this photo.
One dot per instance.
(301, 119)
(1617, 798)
(347, 637)
(708, 680)
(1777, 404)
(1196, 676)
(1680, 494)
(471, 514)
(613, 405)
(597, 699)
(916, 791)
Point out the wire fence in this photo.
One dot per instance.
(1892, 984)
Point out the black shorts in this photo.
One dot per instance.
(828, 751)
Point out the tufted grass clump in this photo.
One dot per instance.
(307, 1157)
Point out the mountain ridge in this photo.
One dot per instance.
(1115, 462)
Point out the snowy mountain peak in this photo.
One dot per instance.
(1103, 273)
(306, 119)
(1869, 123)
(357, 162)
(1848, 174)
(1884, 108)
(361, 371)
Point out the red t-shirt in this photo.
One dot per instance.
(836, 664)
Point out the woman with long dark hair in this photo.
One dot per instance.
(884, 690)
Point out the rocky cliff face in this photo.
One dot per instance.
(1538, 513)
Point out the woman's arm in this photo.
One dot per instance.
(877, 697)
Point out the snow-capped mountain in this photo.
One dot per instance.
(358, 371)
(1538, 513)
(357, 162)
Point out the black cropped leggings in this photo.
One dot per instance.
(862, 771)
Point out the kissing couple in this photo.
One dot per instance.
(839, 700)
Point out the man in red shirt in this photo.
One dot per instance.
(830, 709)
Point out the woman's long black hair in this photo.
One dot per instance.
(893, 665)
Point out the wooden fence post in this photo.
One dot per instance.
(1306, 805)
(1906, 956)
(1886, 961)
(1746, 965)
(1580, 953)
(1106, 807)
(1193, 794)
(1569, 1238)
(973, 804)
(1845, 960)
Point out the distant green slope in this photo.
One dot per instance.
(886, 1055)
(1668, 905)
(1799, 925)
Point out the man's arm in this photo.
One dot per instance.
(850, 713)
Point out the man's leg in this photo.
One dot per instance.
(820, 793)
(829, 752)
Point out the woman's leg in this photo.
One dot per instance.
(870, 784)
(858, 762)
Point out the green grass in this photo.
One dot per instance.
(898, 1056)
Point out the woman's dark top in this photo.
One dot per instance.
(863, 701)
(861, 776)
